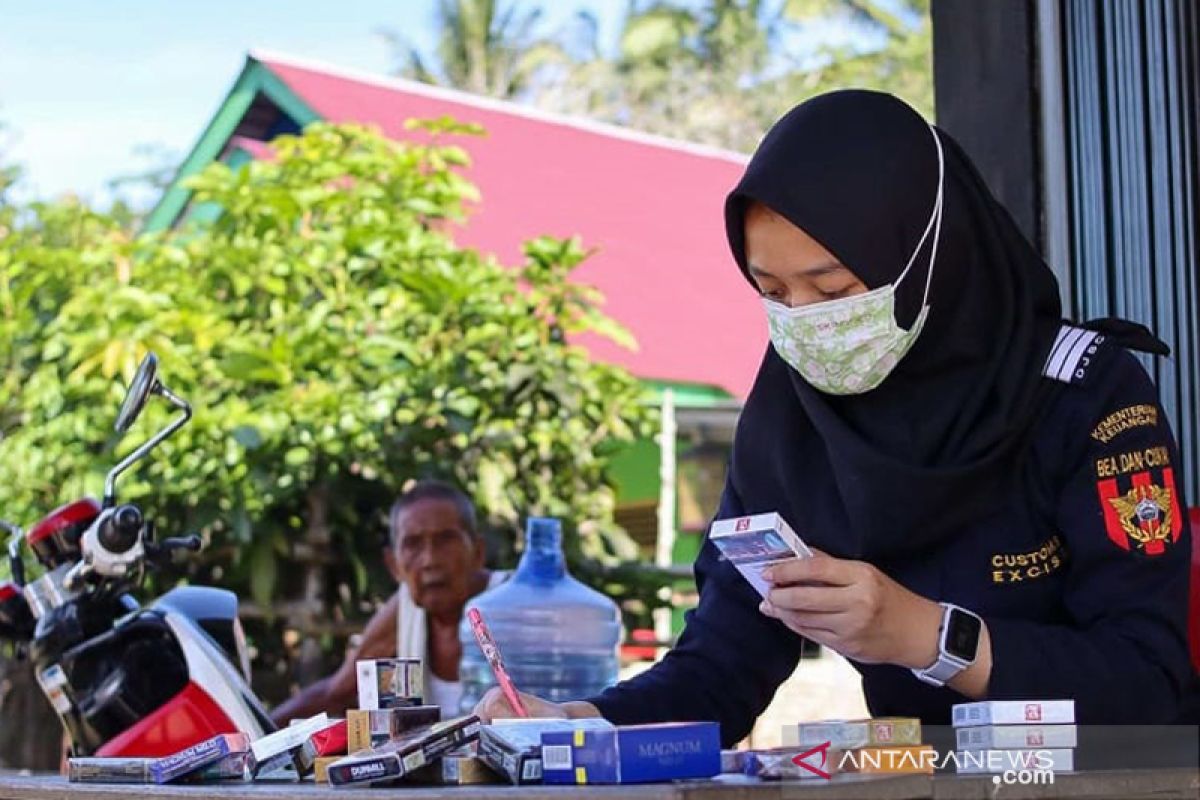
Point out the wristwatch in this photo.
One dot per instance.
(958, 640)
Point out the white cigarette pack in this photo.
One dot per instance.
(753, 543)
(388, 683)
(1014, 712)
(265, 748)
(982, 762)
(1020, 737)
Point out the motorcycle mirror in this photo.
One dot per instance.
(144, 384)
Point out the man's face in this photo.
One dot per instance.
(436, 555)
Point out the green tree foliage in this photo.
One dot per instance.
(484, 46)
(335, 342)
(719, 72)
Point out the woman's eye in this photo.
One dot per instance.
(774, 294)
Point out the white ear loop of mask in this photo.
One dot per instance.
(934, 224)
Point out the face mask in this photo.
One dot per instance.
(849, 345)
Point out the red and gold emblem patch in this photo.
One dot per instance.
(1144, 516)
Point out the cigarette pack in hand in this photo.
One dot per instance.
(753, 543)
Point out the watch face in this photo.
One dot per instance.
(962, 635)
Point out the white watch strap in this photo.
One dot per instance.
(946, 666)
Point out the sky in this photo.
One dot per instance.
(83, 83)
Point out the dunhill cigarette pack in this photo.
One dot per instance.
(389, 683)
(753, 543)
(406, 755)
(367, 729)
(977, 762)
(898, 759)
(849, 734)
(632, 753)
(1019, 737)
(513, 747)
(1014, 712)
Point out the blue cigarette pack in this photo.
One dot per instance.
(198, 756)
(632, 753)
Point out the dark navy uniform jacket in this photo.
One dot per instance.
(1082, 581)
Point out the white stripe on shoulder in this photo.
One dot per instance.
(1071, 354)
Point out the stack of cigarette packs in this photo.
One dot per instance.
(405, 755)
(884, 745)
(222, 754)
(1019, 735)
(632, 753)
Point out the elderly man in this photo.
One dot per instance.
(436, 555)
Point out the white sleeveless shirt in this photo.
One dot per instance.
(412, 634)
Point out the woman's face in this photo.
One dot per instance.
(789, 266)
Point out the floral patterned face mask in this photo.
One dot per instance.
(850, 345)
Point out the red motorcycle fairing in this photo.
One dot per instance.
(55, 538)
(186, 719)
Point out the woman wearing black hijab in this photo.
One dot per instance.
(990, 490)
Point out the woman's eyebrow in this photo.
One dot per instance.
(815, 271)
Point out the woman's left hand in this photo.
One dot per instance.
(854, 609)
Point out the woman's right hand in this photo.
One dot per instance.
(494, 705)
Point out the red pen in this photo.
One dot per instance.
(492, 653)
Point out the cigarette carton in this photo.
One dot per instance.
(389, 683)
(1017, 737)
(406, 755)
(889, 760)
(367, 729)
(753, 543)
(513, 747)
(849, 734)
(1014, 712)
(632, 754)
(977, 762)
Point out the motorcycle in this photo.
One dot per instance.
(127, 680)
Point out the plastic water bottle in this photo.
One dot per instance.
(558, 638)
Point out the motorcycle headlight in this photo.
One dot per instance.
(243, 650)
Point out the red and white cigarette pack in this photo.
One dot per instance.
(753, 543)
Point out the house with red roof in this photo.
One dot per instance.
(650, 208)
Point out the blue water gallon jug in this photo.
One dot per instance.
(558, 638)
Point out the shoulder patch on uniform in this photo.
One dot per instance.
(1072, 355)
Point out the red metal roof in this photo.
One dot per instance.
(652, 208)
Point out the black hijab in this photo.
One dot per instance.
(894, 470)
